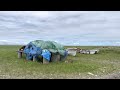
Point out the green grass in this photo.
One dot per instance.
(106, 62)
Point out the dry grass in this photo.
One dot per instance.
(106, 64)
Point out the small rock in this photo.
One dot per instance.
(90, 73)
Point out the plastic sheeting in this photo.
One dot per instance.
(50, 45)
(31, 50)
(46, 54)
(43, 48)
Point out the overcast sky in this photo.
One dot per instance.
(65, 27)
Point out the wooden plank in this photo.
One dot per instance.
(19, 55)
(34, 59)
(55, 57)
(45, 61)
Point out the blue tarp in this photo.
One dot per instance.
(65, 54)
(46, 54)
(31, 50)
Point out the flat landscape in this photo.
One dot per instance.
(104, 65)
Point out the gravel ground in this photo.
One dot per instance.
(112, 76)
(109, 76)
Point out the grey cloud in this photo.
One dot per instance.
(84, 28)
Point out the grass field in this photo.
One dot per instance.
(105, 64)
